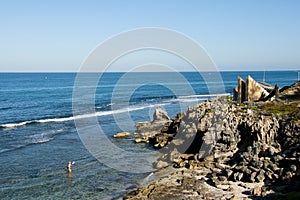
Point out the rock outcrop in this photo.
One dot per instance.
(160, 115)
(250, 90)
(254, 91)
(220, 149)
(158, 132)
(290, 92)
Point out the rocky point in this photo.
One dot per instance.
(220, 149)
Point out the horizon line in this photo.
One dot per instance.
(296, 70)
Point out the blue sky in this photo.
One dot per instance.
(57, 35)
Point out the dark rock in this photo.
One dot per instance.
(257, 163)
(273, 167)
(269, 175)
(271, 151)
(222, 178)
(260, 176)
(228, 173)
(253, 169)
(293, 168)
(238, 176)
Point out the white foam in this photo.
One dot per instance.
(203, 95)
(96, 114)
(189, 98)
(15, 124)
(42, 140)
(195, 98)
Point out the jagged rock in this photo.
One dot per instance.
(260, 177)
(252, 177)
(234, 198)
(291, 92)
(222, 178)
(147, 131)
(160, 115)
(273, 166)
(278, 158)
(250, 90)
(228, 173)
(269, 175)
(230, 142)
(254, 90)
(271, 151)
(146, 191)
(256, 191)
(287, 176)
(256, 162)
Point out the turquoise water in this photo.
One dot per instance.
(39, 137)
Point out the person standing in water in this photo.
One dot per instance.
(69, 167)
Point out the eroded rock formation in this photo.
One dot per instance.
(220, 148)
(250, 90)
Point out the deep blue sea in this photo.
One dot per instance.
(39, 137)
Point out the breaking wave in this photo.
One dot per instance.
(70, 118)
(172, 99)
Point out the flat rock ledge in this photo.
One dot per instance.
(223, 150)
(194, 185)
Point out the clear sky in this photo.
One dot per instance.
(57, 35)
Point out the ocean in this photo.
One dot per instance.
(39, 136)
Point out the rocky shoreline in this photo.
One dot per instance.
(220, 149)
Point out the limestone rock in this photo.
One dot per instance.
(234, 198)
(160, 115)
(254, 90)
(250, 90)
(256, 191)
(161, 164)
(226, 143)
(260, 177)
(122, 135)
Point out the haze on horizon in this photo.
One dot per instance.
(57, 36)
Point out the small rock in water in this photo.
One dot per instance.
(122, 135)
(138, 140)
